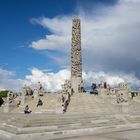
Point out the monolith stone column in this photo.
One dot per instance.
(76, 55)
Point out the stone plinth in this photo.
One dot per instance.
(6, 107)
(125, 107)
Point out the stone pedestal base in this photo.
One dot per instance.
(125, 107)
(35, 94)
(75, 82)
(23, 100)
(102, 92)
(6, 108)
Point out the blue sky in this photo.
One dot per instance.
(35, 37)
(17, 32)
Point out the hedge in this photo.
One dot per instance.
(1, 101)
(3, 93)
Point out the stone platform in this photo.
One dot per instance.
(87, 116)
(61, 126)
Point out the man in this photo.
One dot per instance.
(40, 103)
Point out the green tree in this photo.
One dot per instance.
(3, 93)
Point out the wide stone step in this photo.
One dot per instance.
(50, 102)
(60, 119)
(56, 123)
(59, 127)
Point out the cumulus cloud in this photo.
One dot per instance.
(60, 27)
(4, 74)
(110, 37)
(112, 79)
(50, 43)
(52, 81)
(7, 82)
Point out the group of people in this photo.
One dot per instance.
(66, 94)
(65, 99)
(11, 96)
(94, 89)
(27, 110)
(121, 98)
(38, 91)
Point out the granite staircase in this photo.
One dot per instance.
(50, 104)
(86, 114)
(64, 125)
(88, 103)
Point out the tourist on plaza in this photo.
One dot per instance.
(40, 103)
(27, 110)
(132, 95)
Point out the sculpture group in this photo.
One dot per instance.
(75, 85)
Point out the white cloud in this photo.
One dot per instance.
(110, 37)
(52, 81)
(8, 83)
(50, 42)
(4, 74)
(61, 29)
(111, 78)
(55, 25)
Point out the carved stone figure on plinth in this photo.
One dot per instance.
(7, 104)
(40, 89)
(122, 97)
(102, 89)
(27, 91)
(10, 97)
(7, 107)
(66, 87)
(122, 94)
(24, 91)
(35, 93)
(81, 87)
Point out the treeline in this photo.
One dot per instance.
(2, 95)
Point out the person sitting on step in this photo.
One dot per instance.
(27, 110)
(40, 103)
